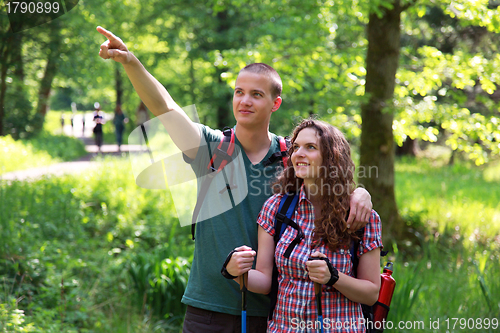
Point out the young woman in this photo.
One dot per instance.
(322, 175)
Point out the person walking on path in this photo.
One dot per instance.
(119, 121)
(83, 124)
(322, 176)
(99, 121)
(213, 303)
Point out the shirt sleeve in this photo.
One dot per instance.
(209, 139)
(268, 213)
(372, 237)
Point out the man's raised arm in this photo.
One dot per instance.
(181, 129)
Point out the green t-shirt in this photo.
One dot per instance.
(217, 236)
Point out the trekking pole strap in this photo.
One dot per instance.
(224, 271)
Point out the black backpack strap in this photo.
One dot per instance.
(221, 156)
(282, 219)
(367, 309)
(281, 155)
(354, 251)
(300, 236)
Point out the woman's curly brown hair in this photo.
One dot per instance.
(335, 181)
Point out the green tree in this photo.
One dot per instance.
(16, 112)
(417, 94)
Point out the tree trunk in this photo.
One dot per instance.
(11, 44)
(54, 47)
(223, 97)
(376, 171)
(223, 103)
(3, 85)
(119, 85)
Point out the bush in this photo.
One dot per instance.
(159, 280)
(20, 120)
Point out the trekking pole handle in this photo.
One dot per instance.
(317, 288)
(334, 273)
(317, 291)
(243, 288)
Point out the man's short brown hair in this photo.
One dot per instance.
(270, 73)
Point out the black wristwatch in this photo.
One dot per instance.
(224, 271)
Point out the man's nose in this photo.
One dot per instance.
(246, 100)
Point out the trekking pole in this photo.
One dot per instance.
(317, 291)
(243, 288)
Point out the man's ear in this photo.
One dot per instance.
(277, 103)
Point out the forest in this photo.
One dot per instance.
(413, 84)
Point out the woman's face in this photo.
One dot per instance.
(306, 156)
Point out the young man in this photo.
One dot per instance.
(213, 301)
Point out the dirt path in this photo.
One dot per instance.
(81, 164)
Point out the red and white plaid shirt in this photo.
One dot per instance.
(295, 309)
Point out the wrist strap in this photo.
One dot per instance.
(334, 273)
(224, 271)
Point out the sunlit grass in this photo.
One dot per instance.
(465, 199)
(46, 148)
(447, 283)
(456, 272)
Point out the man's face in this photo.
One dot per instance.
(253, 103)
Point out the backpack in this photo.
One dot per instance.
(282, 219)
(221, 157)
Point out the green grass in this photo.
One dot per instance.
(447, 282)
(454, 273)
(458, 197)
(46, 148)
(82, 233)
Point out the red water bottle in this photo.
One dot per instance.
(381, 308)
